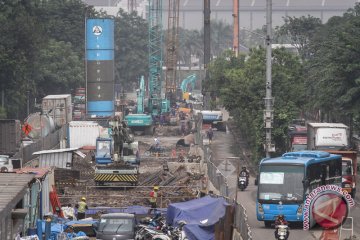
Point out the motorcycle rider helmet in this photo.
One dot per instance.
(281, 217)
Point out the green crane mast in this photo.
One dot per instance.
(156, 104)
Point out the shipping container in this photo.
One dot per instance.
(41, 125)
(59, 108)
(10, 136)
(83, 133)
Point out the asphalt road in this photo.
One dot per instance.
(224, 147)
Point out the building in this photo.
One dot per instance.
(15, 197)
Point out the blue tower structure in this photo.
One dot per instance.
(99, 68)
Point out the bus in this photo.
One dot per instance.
(284, 182)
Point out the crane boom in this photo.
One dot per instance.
(171, 50)
(155, 55)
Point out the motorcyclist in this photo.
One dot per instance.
(245, 173)
(280, 220)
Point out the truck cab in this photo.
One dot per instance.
(130, 154)
(348, 176)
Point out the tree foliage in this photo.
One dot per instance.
(42, 50)
(243, 90)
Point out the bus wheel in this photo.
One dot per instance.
(267, 224)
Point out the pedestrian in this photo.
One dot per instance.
(81, 208)
(153, 199)
(210, 134)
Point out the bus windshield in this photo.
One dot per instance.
(281, 183)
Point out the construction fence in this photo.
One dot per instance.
(239, 219)
(48, 142)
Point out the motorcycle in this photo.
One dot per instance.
(242, 183)
(282, 232)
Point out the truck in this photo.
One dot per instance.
(297, 137)
(110, 165)
(10, 136)
(334, 138)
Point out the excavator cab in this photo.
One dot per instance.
(103, 151)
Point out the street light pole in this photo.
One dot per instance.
(268, 113)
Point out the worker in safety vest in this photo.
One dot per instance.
(81, 208)
(153, 198)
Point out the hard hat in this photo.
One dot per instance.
(156, 188)
(83, 198)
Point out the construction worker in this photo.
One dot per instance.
(81, 208)
(210, 134)
(153, 198)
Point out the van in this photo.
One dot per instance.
(116, 226)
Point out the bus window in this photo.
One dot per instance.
(281, 183)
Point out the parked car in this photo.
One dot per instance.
(116, 226)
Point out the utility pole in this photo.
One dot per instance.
(269, 103)
(236, 27)
(131, 6)
(205, 89)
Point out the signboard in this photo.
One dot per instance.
(331, 137)
(299, 140)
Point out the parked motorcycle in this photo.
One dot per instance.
(242, 183)
(282, 232)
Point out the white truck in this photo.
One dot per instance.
(334, 138)
(328, 136)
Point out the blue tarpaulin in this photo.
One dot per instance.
(200, 216)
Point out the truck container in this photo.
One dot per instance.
(59, 108)
(327, 136)
(83, 133)
(10, 136)
(334, 138)
(41, 125)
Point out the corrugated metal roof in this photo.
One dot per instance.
(39, 172)
(57, 159)
(60, 96)
(83, 123)
(12, 190)
(55, 151)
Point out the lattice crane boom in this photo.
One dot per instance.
(172, 49)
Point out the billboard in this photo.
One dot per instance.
(100, 67)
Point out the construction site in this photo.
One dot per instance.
(174, 169)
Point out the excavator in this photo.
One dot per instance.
(140, 122)
(117, 158)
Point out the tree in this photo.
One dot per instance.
(300, 31)
(131, 50)
(243, 89)
(52, 61)
(334, 71)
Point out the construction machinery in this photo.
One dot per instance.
(140, 122)
(111, 167)
(171, 50)
(189, 80)
(157, 103)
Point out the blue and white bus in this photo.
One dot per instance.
(284, 182)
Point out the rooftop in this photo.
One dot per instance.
(12, 190)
